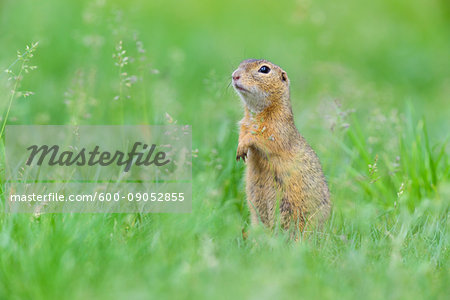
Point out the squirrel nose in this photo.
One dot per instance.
(236, 76)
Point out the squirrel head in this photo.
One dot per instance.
(261, 84)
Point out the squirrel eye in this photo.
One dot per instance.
(264, 69)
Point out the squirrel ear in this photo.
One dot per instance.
(284, 76)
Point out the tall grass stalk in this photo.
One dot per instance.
(24, 59)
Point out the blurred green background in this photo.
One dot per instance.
(370, 87)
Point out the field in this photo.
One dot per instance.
(370, 88)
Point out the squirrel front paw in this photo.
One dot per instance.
(241, 152)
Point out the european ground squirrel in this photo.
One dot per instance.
(283, 172)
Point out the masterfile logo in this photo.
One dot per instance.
(94, 157)
(98, 168)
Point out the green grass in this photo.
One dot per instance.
(370, 92)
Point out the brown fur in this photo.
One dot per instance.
(282, 169)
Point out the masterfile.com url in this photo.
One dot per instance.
(53, 197)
